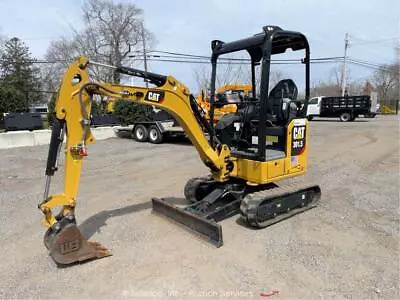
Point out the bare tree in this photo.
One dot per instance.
(275, 77)
(202, 76)
(336, 81)
(59, 54)
(112, 31)
(324, 89)
(230, 72)
(386, 82)
(234, 73)
(332, 87)
(227, 73)
(356, 87)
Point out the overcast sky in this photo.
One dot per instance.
(189, 26)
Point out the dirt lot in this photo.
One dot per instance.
(348, 247)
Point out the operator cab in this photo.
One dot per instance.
(269, 114)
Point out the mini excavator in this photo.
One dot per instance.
(248, 176)
(231, 93)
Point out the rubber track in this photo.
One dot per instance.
(251, 202)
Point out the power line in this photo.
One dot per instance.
(369, 63)
(366, 42)
(375, 67)
(187, 59)
(175, 57)
(276, 62)
(180, 54)
(35, 61)
(235, 63)
(233, 59)
(194, 56)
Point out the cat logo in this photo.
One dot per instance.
(298, 140)
(298, 133)
(154, 96)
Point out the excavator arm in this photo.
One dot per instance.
(63, 239)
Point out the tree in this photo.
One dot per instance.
(227, 73)
(129, 112)
(332, 89)
(51, 105)
(202, 76)
(112, 31)
(60, 53)
(19, 78)
(367, 88)
(233, 73)
(386, 82)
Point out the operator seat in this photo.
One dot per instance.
(280, 108)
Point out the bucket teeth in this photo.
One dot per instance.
(100, 249)
(69, 246)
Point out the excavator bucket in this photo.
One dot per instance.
(69, 246)
(205, 228)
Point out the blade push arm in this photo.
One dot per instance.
(73, 115)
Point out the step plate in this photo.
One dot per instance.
(205, 228)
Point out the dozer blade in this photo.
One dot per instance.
(69, 246)
(205, 228)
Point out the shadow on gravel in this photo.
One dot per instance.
(93, 224)
(124, 134)
(177, 141)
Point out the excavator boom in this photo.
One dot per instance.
(63, 239)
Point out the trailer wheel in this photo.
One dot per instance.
(140, 133)
(155, 136)
(345, 117)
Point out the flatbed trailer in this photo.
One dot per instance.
(161, 126)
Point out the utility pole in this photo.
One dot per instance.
(344, 70)
(144, 54)
(398, 75)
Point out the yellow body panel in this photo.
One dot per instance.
(261, 172)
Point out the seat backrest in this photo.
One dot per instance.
(285, 88)
(249, 112)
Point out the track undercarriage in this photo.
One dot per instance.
(258, 206)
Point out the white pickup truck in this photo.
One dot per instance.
(346, 108)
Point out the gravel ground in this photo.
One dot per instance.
(347, 248)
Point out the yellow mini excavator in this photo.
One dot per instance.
(230, 93)
(245, 171)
